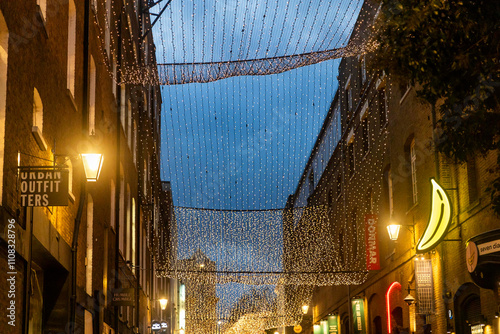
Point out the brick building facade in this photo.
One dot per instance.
(380, 164)
(60, 96)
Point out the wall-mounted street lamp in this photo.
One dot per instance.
(163, 303)
(305, 308)
(92, 164)
(393, 230)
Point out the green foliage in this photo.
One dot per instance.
(451, 49)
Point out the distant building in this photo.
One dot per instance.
(378, 172)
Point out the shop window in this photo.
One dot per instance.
(71, 47)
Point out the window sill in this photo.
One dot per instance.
(71, 98)
(41, 18)
(71, 197)
(37, 134)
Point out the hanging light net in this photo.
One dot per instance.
(244, 270)
(200, 41)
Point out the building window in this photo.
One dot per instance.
(92, 92)
(348, 95)
(365, 134)
(71, 47)
(472, 180)
(123, 105)
(382, 106)
(37, 111)
(339, 185)
(4, 54)
(90, 235)
(413, 169)
(112, 204)
(144, 177)
(350, 158)
(107, 33)
(362, 69)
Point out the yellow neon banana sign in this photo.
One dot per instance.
(439, 219)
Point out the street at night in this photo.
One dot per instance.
(249, 167)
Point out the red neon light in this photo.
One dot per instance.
(388, 304)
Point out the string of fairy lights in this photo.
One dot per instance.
(232, 149)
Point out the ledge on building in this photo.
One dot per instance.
(35, 130)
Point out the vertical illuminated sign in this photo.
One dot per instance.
(371, 242)
(358, 316)
(333, 325)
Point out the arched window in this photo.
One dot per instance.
(4, 53)
(37, 111)
(37, 128)
(92, 92)
(71, 47)
(43, 8)
(90, 225)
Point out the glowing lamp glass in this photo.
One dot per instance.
(163, 303)
(92, 164)
(393, 230)
(305, 308)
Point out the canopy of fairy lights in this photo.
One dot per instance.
(246, 86)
